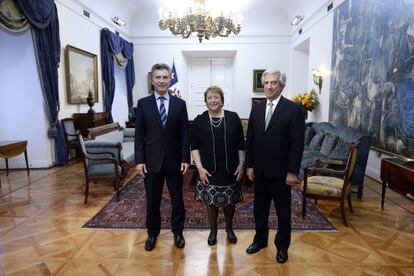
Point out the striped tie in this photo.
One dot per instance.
(163, 114)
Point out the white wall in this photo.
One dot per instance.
(299, 69)
(22, 115)
(120, 104)
(84, 33)
(78, 31)
(319, 34)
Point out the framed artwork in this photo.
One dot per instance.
(81, 75)
(150, 85)
(257, 100)
(257, 80)
(372, 90)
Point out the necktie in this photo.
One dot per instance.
(269, 115)
(163, 114)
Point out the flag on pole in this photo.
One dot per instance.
(174, 80)
(174, 76)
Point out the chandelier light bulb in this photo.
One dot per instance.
(202, 22)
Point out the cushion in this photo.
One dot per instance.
(324, 185)
(113, 136)
(341, 150)
(308, 135)
(328, 144)
(103, 169)
(316, 141)
(128, 152)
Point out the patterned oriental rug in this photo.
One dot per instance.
(129, 212)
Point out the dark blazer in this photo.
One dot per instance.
(278, 150)
(202, 139)
(155, 144)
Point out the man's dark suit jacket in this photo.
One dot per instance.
(156, 145)
(277, 150)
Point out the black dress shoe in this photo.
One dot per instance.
(212, 238)
(282, 256)
(150, 243)
(254, 248)
(231, 236)
(179, 240)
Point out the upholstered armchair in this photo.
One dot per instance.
(332, 184)
(102, 165)
(70, 136)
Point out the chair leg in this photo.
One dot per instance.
(117, 188)
(343, 211)
(86, 191)
(350, 203)
(304, 206)
(316, 201)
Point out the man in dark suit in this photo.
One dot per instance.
(274, 151)
(162, 153)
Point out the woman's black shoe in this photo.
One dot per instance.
(231, 236)
(212, 238)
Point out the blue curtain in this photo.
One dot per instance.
(114, 44)
(43, 17)
(107, 74)
(130, 73)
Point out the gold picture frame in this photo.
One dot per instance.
(257, 80)
(258, 100)
(81, 75)
(150, 85)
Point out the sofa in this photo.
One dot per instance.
(116, 140)
(325, 141)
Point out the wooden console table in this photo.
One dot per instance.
(399, 176)
(9, 149)
(84, 121)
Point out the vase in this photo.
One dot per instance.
(90, 102)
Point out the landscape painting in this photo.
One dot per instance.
(81, 75)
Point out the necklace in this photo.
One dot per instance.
(216, 123)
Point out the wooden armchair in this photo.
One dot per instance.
(317, 185)
(102, 165)
(70, 136)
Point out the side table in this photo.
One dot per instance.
(399, 176)
(9, 149)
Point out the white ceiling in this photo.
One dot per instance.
(259, 16)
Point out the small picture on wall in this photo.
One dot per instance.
(257, 80)
(257, 101)
(81, 75)
(150, 85)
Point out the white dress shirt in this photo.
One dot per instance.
(166, 101)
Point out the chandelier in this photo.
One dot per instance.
(200, 21)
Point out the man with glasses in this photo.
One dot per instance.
(274, 149)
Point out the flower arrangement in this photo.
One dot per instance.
(308, 100)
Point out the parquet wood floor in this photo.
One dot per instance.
(41, 234)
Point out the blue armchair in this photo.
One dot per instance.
(325, 141)
(101, 165)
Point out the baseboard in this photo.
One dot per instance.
(33, 164)
(374, 174)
